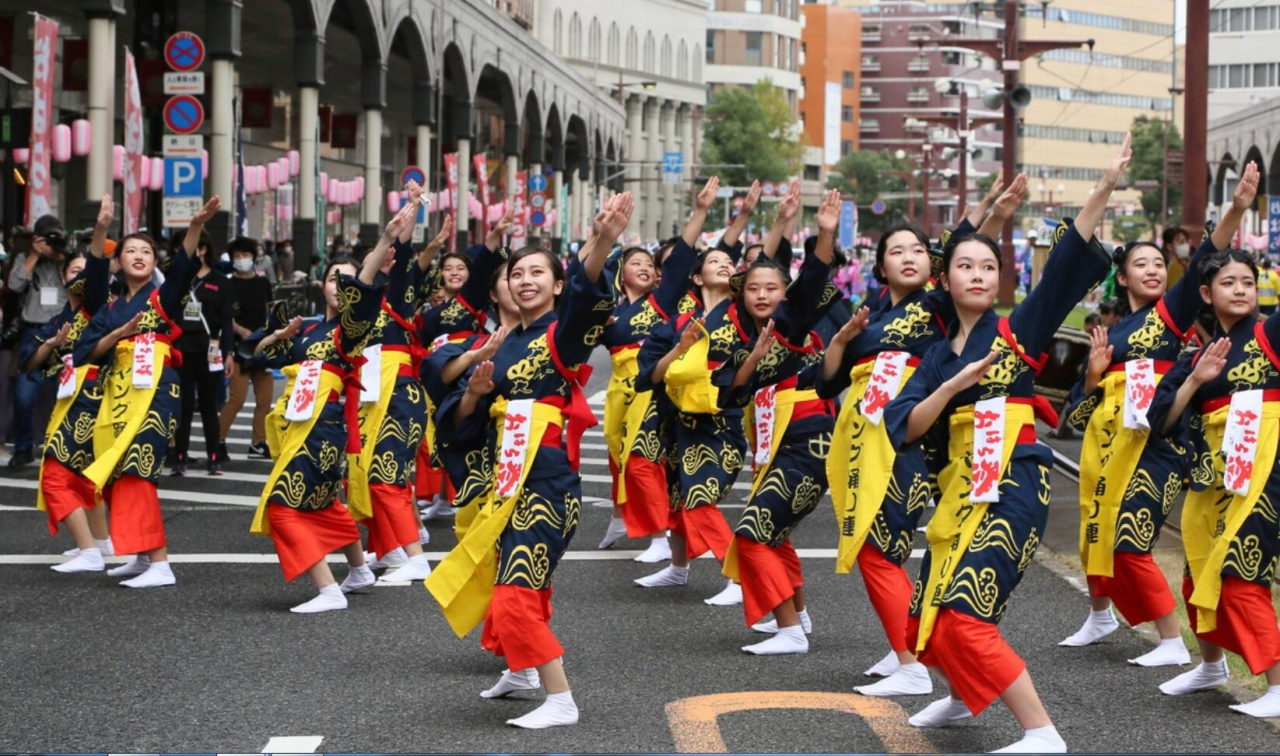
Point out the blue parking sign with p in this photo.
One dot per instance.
(183, 177)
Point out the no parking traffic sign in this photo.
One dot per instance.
(414, 173)
(184, 51)
(183, 114)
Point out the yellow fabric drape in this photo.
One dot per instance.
(463, 581)
(624, 411)
(859, 445)
(688, 379)
(954, 525)
(371, 416)
(1201, 518)
(120, 398)
(1116, 468)
(289, 442)
(60, 410)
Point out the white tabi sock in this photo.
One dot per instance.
(670, 575)
(1171, 651)
(329, 599)
(558, 710)
(1037, 740)
(616, 532)
(158, 575)
(788, 640)
(1204, 677)
(908, 680)
(1098, 626)
(771, 626)
(391, 560)
(415, 569)
(942, 713)
(135, 566)
(730, 596)
(88, 560)
(424, 536)
(510, 682)
(72, 552)
(886, 666)
(357, 578)
(105, 546)
(1267, 706)
(659, 551)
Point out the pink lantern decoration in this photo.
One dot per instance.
(117, 163)
(349, 192)
(393, 202)
(273, 175)
(61, 143)
(157, 173)
(331, 191)
(81, 137)
(324, 183)
(358, 184)
(283, 163)
(204, 164)
(295, 161)
(473, 206)
(261, 177)
(21, 155)
(144, 175)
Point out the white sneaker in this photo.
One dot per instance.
(89, 560)
(886, 666)
(659, 551)
(730, 596)
(670, 575)
(357, 578)
(909, 680)
(131, 568)
(616, 532)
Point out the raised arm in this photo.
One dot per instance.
(927, 411)
(378, 255)
(734, 232)
(698, 218)
(787, 209)
(1245, 193)
(1004, 207)
(432, 250)
(828, 222)
(106, 213)
(1096, 206)
(605, 230)
(976, 215)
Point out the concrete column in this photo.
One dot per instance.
(308, 64)
(667, 191)
(308, 118)
(372, 212)
(425, 151)
(635, 152)
(102, 89)
(511, 168)
(464, 183)
(653, 219)
(222, 156)
(557, 184)
(424, 117)
(686, 146)
(575, 207)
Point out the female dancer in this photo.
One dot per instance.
(519, 402)
(131, 339)
(393, 410)
(632, 417)
(707, 442)
(792, 431)
(1130, 477)
(465, 279)
(995, 487)
(1224, 401)
(315, 421)
(68, 496)
(879, 494)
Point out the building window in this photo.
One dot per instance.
(846, 114)
(918, 95)
(812, 173)
(919, 64)
(846, 145)
(870, 64)
(847, 79)
(869, 124)
(711, 46)
(755, 48)
(755, 6)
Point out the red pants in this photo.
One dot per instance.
(971, 653)
(703, 529)
(304, 538)
(429, 480)
(648, 507)
(395, 518)
(136, 524)
(516, 627)
(1246, 622)
(65, 491)
(770, 575)
(1137, 588)
(889, 589)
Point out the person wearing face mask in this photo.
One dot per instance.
(248, 295)
(1177, 244)
(1268, 286)
(1224, 403)
(37, 277)
(1129, 476)
(64, 493)
(976, 392)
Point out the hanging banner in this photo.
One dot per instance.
(518, 231)
(481, 166)
(133, 145)
(38, 178)
(451, 176)
(562, 216)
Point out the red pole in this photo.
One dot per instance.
(963, 133)
(1195, 118)
(1011, 63)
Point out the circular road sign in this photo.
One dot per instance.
(877, 207)
(538, 218)
(184, 51)
(414, 173)
(183, 114)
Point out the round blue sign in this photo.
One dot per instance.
(538, 218)
(415, 173)
(537, 183)
(877, 207)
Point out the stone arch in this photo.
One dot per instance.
(1254, 155)
(1218, 193)
(361, 17)
(457, 86)
(534, 139)
(407, 37)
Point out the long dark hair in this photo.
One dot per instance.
(883, 246)
(1120, 258)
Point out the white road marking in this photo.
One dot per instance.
(167, 494)
(291, 744)
(597, 398)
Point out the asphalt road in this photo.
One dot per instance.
(218, 664)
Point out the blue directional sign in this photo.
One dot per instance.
(182, 177)
(672, 167)
(1273, 224)
(848, 223)
(537, 183)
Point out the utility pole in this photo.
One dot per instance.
(1195, 118)
(964, 128)
(1009, 53)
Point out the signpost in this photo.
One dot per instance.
(848, 223)
(673, 167)
(1273, 224)
(184, 52)
(537, 200)
(183, 116)
(183, 189)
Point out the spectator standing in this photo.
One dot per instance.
(206, 345)
(1177, 244)
(249, 294)
(18, 241)
(37, 277)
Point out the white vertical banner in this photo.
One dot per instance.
(831, 124)
(39, 190)
(132, 145)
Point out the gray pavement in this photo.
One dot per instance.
(219, 664)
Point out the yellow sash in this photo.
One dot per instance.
(1115, 470)
(120, 398)
(624, 412)
(371, 416)
(954, 525)
(60, 410)
(785, 402)
(1207, 532)
(859, 451)
(463, 581)
(688, 379)
(289, 437)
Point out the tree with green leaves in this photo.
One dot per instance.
(1149, 150)
(754, 127)
(865, 176)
